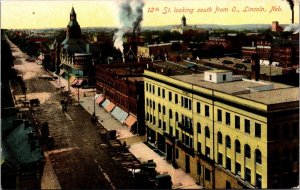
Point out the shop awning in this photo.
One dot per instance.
(105, 103)
(71, 79)
(61, 72)
(131, 120)
(99, 99)
(77, 82)
(96, 96)
(110, 107)
(119, 114)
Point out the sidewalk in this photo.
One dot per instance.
(141, 151)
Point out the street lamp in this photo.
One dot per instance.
(94, 117)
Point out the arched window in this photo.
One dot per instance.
(228, 142)
(247, 151)
(258, 156)
(207, 132)
(170, 113)
(159, 108)
(220, 138)
(237, 146)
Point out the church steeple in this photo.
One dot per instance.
(72, 14)
(183, 21)
(73, 28)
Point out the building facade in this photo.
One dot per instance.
(75, 55)
(223, 130)
(123, 85)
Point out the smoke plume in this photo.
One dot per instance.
(291, 2)
(130, 18)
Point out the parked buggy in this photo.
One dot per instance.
(34, 102)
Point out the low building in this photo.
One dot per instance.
(22, 155)
(123, 85)
(225, 131)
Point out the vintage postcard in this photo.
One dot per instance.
(150, 94)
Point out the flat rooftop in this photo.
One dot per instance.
(279, 93)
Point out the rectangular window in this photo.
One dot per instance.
(150, 87)
(220, 158)
(198, 168)
(153, 89)
(238, 168)
(206, 111)
(164, 110)
(199, 147)
(176, 116)
(170, 96)
(247, 126)
(171, 130)
(198, 107)
(154, 120)
(146, 86)
(207, 151)
(257, 130)
(150, 118)
(164, 126)
(176, 99)
(224, 77)
(258, 181)
(207, 174)
(227, 118)
(228, 163)
(248, 175)
(219, 112)
(163, 93)
(177, 134)
(210, 77)
(228, 185)
(158, 91)
(237, 122)
(159, 108)
(190, 104)
(159, 123)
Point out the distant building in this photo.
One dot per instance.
(276, 27)
(122, 89)
(22, 155)
(75, 55)
(184, 28)
(225, 131)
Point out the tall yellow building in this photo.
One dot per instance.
(227, 132)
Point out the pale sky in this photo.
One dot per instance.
(54, 14)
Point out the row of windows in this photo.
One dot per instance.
(247, 150)
(237, 123)
(187, 103)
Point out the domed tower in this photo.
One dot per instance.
(183, 21)
(73, 28)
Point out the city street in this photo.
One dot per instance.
(80, 157)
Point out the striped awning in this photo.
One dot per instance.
(105, 103)
(96, 96)
(110, 107)
(119, 114)
(130, 120)
(99, 99)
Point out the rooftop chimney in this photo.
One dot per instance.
(255, 66)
